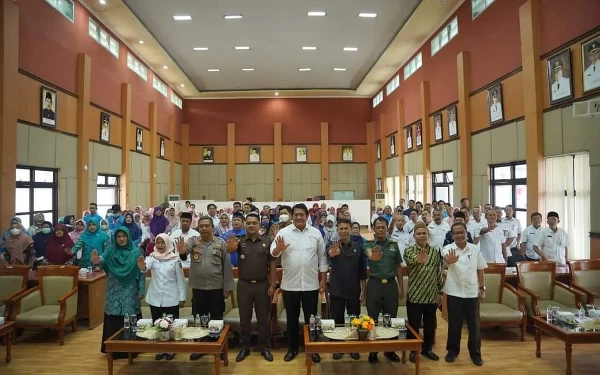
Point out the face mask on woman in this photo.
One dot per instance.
(46, 230)
(284, 218)
(15, 231)
(104, 227)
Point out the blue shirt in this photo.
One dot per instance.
(86, 219)
(115, 222)
(236, 233)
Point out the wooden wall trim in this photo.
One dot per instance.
(497, 80)
(400, 146)
(463, 66)
(185, 161)
(231, 175)
(325, 160)
(384, 152)
(126, 134)
(171, 149)
(371, 159)
(277, 157)
(153, 152)
(425, 140)
(84, 77)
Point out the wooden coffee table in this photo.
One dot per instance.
(128, 342)
(7, 330)
(566, 335)
(324, 345)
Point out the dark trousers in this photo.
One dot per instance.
(459, 309)
(340, 305)
(292, 301)
(254, 296)
(157, 311)
(112, 324)
(531, 259)
(382, 298)
(426, 313)
(208, 302)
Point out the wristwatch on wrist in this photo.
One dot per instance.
(482, 287)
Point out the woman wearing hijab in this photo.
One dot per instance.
(92, 239)
(17, 245)
(167, 290)
(69, 221)
(41, 239)
(79, 229)
(159, 222)
(173, 220)
(38, 221)
(105, 227)
(224, 225)
(59, 246)
(355, 234)
(125, 284)
(137, 219)
(330, 230)
(134, 230)
(264, 229)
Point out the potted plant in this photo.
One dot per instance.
(363, 325)
(164, 325)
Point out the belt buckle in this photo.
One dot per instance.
(252, 281)
(384, 281)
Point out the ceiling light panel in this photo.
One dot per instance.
(350, 49)
(232, 16)
(304, 70)
(200, 48)
(367, 15)
(213, 70)
(247, 69)
(309, 48)
(182, 17)
(339, 69)
(316, 14)
(242, 47)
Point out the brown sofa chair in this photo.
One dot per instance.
(13, 282)
(52, 304)
(279, 318)
(585, 277)
(537, 280)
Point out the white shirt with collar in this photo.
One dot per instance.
(216, 220)
(553, 244)
(437, 234)
(409, 226)
(462, 280)
(186, 236)
(591, 76)
(561, 88)
(304, 258)
(528, 237)
(403, 239)
(512, 229)
(491, 245)
(474, 227)
(167, 285)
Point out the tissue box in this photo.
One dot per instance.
(215, 325)
(565, 314)
(327, 325)
(398, 322)
(180, 323)
(1, 320)
(144, 323)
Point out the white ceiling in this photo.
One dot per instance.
(276, 31)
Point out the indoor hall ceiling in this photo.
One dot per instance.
(275, 31)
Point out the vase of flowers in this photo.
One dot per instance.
(363, 325)
(164, 325)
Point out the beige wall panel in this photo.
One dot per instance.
(450, 157)
(456, 190)
(145, 167)
(553, 133)
(66, 157)
(208, 180)
(392, 166)
(194, 175)
(581, 134)
(301, 181)
(357, 181)
(378, 169)
(504, 144)
(481, 154)
(42, 147)
(458, 145)
(521, 141)
(22, 144)
(436, 157)
(135, 167)
(408, 167)
(178, 179)
(114, 160)
(418, 161)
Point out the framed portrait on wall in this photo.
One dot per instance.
(379, 184)
(437, 127)
(559, 77)
(301, 154)
(494, 100)
(347, 153)
(419, 134)
(393, 145)
(409, 138)
(590, 58)
(162, 148)
(378, 146)
(254, 154)
(452, 122)
(48, 104)
(139, 139)
(208, 154)
(104, 127)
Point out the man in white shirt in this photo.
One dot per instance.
(472, 231)
(552, 242)
(561, 87)
(437, 230)
(491, 240)
(212, 212)
(184, 233)
(303, 257)
(529, 236)
(400, 236)
(465, 287)
(495, 108)
(591, 76)
(412, 220)
(513, 229)
(475, 224)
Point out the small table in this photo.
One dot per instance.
(127, 341)
(565, 334)
(7, 330)
(321, 344)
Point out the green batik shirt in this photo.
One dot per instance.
(424, 280)
(385, 268)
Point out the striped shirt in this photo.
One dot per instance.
(424, 280)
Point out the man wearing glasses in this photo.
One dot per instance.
(93, 207)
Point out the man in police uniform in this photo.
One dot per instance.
(256, 285)
(211, 274)
(561, 87)
(591, 76)
(385, 263)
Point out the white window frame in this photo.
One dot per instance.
(444, 36)
(413, 65)
(160, 86)
(175, 99)
(378, 99)
(479, 6)
(107, 182)
(135, 65)
(56, 4)
(393, 85)
(103, 38)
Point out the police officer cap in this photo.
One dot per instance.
(238, 215)
(186, 215)
(558, 64)
(594, 47)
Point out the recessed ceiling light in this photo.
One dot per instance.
(242, 47)
(141, 42)
(232, 16)
(182, 17)
(182, 85)
(213, 70)
(309, 48)
(102, 2)
(276, 94)
(304, 70)
(165, 67)
(200, 48)
(247, 69)
(350, 49)
(367, 15)
(339, 69)
(316, 14)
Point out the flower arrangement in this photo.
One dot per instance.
(163, 324)
(363, 323)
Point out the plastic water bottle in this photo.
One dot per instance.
(549, 316)
(347, 321)
(197, 320)
(312, 323)
(380, 320)
(126, 323)
(581, 312)
(318, 322)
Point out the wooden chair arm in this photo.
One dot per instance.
(580, 289)
(18, 298)
(575, 291)
(534, 298)
(14, 296)
(520, 295)
(63, 299)
(531, 293)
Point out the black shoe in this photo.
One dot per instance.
(195, 356)
(289, 356)
(316, 358)
(160, 356)
(392, 356)
(242, 355)
(337, 356)
(355, 356)
(450, 357)
(170, 356)
(412, 357)
(372, 357)
(267, 355)
(431, 355)
(477, 361)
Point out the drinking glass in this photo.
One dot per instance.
(387, 320)
(589, 307)
(352, 317)
(133, 322)
(204, 320)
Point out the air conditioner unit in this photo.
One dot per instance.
(173, 199)
(380, 199)
(589, 108)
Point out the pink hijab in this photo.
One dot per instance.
(169, 253)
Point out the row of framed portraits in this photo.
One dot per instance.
(208, 154)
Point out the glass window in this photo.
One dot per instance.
(65, 7)
(502, 173)
(103, 37)
(393, 85)
(508, 185)
(410, 187)
(478, 6)
(521, 171)
(22, 200)
(111, 180)
(159, 86)
(378, 99)
(42, 199)
(107, 192)
(25, 221)
(503, 195)
(23, 175)
(442, 186)
(442, 193)
(521, 196)
(176, 100)
(413, 66)
(36, 193)
(137, 67)
(101, 180)
(44, 176)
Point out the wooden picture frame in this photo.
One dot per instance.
(254, 154)
(494, 101)
(104, 127)
(48, 107)
(208, 155)
(409, 138)
(301, 154)
(161, 149)
(393, 145)
(560, 77)
(438, 127)
(139, 139)
(419, 134)
(347, 153)
(452, 121)
(590, 55)
(378, 147)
